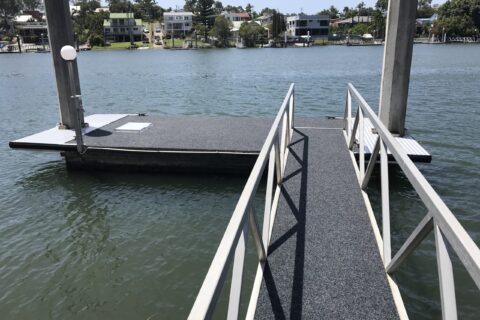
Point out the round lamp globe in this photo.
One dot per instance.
(68, 53)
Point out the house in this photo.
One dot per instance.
(236, 16)
(29, 29)
(178, 23)
(316, 26)
(352, 21)
(421, 22)
(265, 20)
(120, 26)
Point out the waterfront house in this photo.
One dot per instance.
(119, 26)
(236, 16)
(352, 21)
(426, 21)
(29, 28)
(315, 25)
(178, 23)
(265, 20)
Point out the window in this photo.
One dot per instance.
(323, 23)
(107, 30)
(187, 24)
(302, 23)
(122, 29)
(169, 18)
(135, 29)
(121, 21)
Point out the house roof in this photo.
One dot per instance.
(180, 13)
(242, 15)
(127, 15)
(108, 22)
(303, 16)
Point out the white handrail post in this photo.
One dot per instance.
(287, 125)
(283, 144)
(278, 161)
(351, 139)
(349, 113)
(445, 274)
(237, 274)
(257, 238)
(281, 141)
(292, 108)
(345, 114)
(387, 249)
(361, 147)
(268, 199)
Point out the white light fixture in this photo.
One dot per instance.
(68, 53)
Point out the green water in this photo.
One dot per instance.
(82, 245)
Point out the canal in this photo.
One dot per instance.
(115, 245)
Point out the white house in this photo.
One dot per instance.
(315, 25)
(177, 22)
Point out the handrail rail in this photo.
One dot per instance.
(275, 152)
(439, 217)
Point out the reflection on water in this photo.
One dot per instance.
(122, 246)
(114, 245)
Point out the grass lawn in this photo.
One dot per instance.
(117, 46)
(320, 42)
(177, 42)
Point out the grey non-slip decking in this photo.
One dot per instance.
(323, 260)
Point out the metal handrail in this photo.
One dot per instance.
(439, 217)
(232, 246)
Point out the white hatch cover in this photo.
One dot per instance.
(133, 126)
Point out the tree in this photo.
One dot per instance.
(278, 24)
(359, 29)
(252, 33)
(459, 17)
(204, 9)
(381, 5)
(267, 11)
(218, 7)
(147, 10)
(332, 12)
(9, 8)
(31, 4)
(249, 8)
(88, 24)
(119, 6)
(221, 30)
(190, 5)
(230, 8)
(424, 9)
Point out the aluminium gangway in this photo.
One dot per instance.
(320, 251)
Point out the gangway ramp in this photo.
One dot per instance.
(323, 261)
(321, 252)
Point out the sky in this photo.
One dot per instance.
(284, 6)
